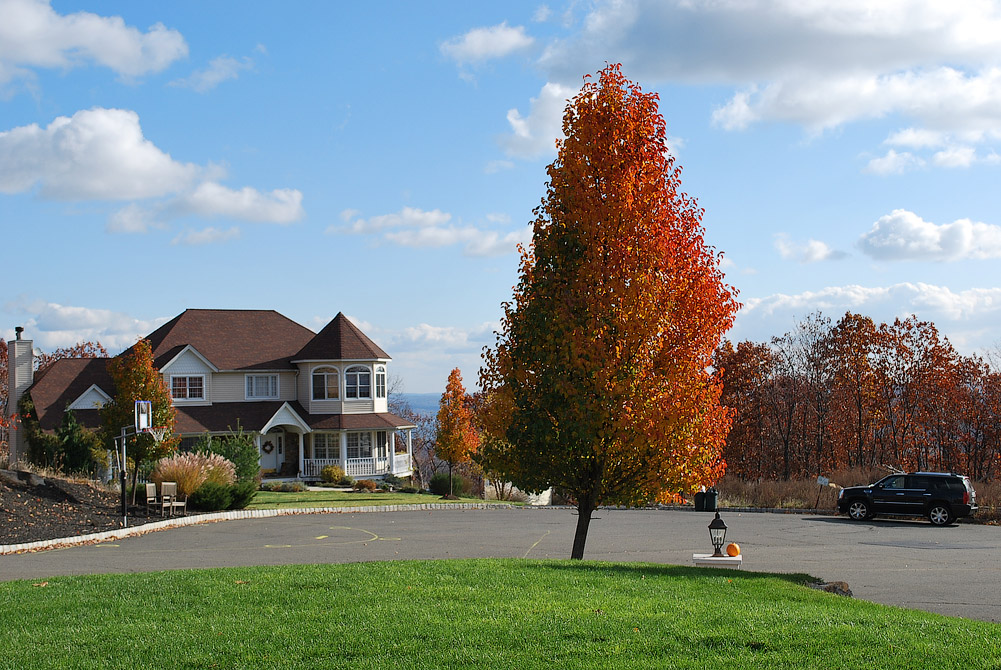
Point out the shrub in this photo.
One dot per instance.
(332, 474)
(192, 470)
(439, 484)
(284, 487)
(393, 481)
(347, 480)
(238, 448)
(410, 489)
(365, 485)
(242, 492)
(211, 496)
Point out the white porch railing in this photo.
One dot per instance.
(358, 467)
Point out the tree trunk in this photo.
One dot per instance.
(585, 507)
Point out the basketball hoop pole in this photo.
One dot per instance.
(121, 477)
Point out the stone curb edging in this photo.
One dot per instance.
(177, 522)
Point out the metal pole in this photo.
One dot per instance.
(121, 477)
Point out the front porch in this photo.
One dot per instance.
(360, 468)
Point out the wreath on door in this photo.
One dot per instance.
(267, 447)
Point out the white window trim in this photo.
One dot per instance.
(331, 436)
(358, 435)
(203, 398)
(370, 395)
(319, 370)
(277, 386)
(380, 371)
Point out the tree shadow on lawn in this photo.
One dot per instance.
(676, 571)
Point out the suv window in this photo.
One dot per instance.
(894, 482)
(923, 482)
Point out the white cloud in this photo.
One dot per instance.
(210, 199)
(97, 154)
(197, 238)
(903, 235)
(412, 227)
(480, 44)
(820, 65)
(51, 326)
(132, 219)
(219, 70)
(542, 14)
(970, 318)
(811, 251)
(535, 135)
(955, 157)
(894, 163)
(33, 35)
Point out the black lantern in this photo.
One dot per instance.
(717, 533)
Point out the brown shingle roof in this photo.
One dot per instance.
(340, 340)
(251, 416)
(232, 339)
(64, 381)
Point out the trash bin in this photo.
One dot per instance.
(700, 502)
(710, 505)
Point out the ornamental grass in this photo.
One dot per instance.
(190, 470)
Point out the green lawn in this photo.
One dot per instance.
(333, 498)
(470, 614)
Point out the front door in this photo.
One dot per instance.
(272, 450)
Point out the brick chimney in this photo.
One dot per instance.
(20, 376)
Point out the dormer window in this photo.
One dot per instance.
(187, 388)
(358, 382)
(325, 384)
(380, 381)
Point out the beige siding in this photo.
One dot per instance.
(358, 407)
(232, 386)
(190, 365)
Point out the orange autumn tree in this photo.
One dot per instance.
(136, 378)
(457, 439)
(603, 359)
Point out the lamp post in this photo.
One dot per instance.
(717, 534)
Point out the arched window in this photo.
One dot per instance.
(358, 382)
(380, 381)
(325, 384)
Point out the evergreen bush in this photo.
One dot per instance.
(211, 497)
(439, 484)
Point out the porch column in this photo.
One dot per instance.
(302, 458)
(343, 435)
(257, 443)
(410, 450)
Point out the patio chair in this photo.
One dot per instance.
(168, 491)
(150, 496)
(176, 504)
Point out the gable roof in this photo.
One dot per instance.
(232, 339)
(340, 340)
(62, 382)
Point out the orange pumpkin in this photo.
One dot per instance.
(733, 549)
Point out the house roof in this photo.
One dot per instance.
(252, 416)
(62, 382)
(340, 340)
(232, 339)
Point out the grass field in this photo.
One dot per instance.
(334, 498)
(470, 614)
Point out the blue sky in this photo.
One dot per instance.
(383, 159)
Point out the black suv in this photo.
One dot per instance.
(943, 497)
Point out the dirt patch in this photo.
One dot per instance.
(33, 508)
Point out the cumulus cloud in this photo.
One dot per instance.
(413, 227)
(894, 163)
(219, 70)
(480, 44)
(198, 238)
(811, 251)
(33, 35)
(535, 135)
(819, 65)
(903, 235)
(970, 317)
(97, 154)
(52, 325)
(209, 199)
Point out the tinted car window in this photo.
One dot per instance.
(920, 483)
(894, 482)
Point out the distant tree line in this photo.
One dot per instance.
(853, 394)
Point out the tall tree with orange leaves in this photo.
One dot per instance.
(603, 358)
(457, 438)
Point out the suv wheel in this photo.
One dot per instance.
(940, 515)
(858, 510)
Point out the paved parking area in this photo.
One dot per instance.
(953, 570)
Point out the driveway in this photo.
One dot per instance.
(953, 570)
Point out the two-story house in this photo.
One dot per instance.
(311, 399)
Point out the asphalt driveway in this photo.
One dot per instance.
(953, 570)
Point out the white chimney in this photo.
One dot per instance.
(20, 376)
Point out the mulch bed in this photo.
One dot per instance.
(32, 508)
